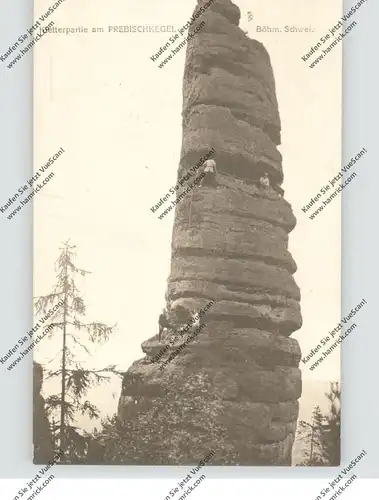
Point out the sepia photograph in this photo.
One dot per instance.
(187, 241)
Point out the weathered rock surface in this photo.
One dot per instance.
(42, 439)
(233, 387)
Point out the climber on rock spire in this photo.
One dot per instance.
(209, 170)
(163, 323)
(264, 181)
(195, 320)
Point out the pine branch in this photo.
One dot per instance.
(54, 358)
(69, 356)
(53, 403)
(43, 303)
(48, 296)
(77, 342)
(97, 332)
(53, 325)
(108, 369)
(78, 306)
(91, 410)
(75, 269)
(79, 381)
(52, 374)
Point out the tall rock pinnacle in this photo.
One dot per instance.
(234, 388)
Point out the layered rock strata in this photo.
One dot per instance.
(234, 388)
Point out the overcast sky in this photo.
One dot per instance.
(118, 117)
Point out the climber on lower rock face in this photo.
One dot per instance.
(163, 323)
(209, 170)
(195, 319)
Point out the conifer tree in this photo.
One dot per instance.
(312, 435)
(323, 436)
(64, 307)
(333, 434)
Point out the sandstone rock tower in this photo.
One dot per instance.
(234, 389)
